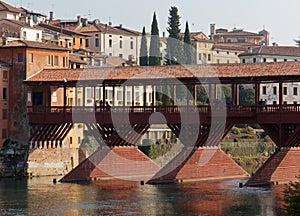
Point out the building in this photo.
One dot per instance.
(227, 53)
(20, 30)
(4, 108)
(238, 36)
(203, 46)
(275, 53)
(9, 12)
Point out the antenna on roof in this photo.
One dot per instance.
(52, 7)
(109, 21)
(90, 14)
(21, 3)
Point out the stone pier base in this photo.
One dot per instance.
(118, 163)
(205, 163)
(283, 166)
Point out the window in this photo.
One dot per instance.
(74, 41)
(227, 53)
(24, 34)
(121, 55)
(218, 61)
(20, 57)
(265, 60)
(87, 44)
(78, 140)
(285, 90)
(254, 60)
(244, 61)
(121, 44)
(4, 114)
(80, 41)
(4, 133)
(228, 61)
(37, 36)
(4, 93)
(71, 140)
(97, 42)
(54, 97)
(119, 95)
(295, 90)
(48, 59)
(275, 90)
(264, 90)
(209, 57)
(55, 61)
(131, 44)
(5, 74)
(285, 60)
(199, 56)
(30, 58)
(110, 54)
(275, 60)
(110, 42)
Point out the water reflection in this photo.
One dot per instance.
(40, 197)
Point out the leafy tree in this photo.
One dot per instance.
(154, 54)
(292, 198)
(247, 96)
(188, 48)
(144, 49)
(174, 43)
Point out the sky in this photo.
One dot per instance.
(280, 18)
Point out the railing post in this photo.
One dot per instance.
(280, 95)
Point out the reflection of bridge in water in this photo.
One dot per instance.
(199, 127)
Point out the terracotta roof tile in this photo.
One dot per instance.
(33, 44)
(275, 50)
(232, 71)
(6, 7)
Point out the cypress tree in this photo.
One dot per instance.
(174, 43)
(144, 49)
(154, 53)
(188, 48)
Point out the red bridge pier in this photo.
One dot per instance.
(204, 161)
(284, 165)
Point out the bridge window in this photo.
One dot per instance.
(295, 90)
(264, 90)
(4, 93)
(4, 133)
(275, 90)
(37, 98)
(285, 90)
(4, 114)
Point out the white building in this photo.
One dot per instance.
(9, 12)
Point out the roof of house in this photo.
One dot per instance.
(20, 23)
(62, 30)
(238, 33)
(275, 50)
(6, 7)
(32, 44)
(264, 71)
(226, 46)
(127, 30)
(76, 58)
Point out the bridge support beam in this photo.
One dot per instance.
(204, 161)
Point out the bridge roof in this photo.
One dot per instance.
(287, 71)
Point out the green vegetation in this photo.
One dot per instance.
(155, 150)
(292, 198)
(249, 149)
(144, 49)
(154, 53)
(189, 53)
(174, 43)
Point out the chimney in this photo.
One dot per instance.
(85, 22)
(120, 25)
(212, 31)
(275, 44)
(106, 27)
(30, 21)
(51, 16)
(78, 20)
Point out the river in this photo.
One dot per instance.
(39, 196)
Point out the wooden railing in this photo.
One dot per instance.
(166, 109)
